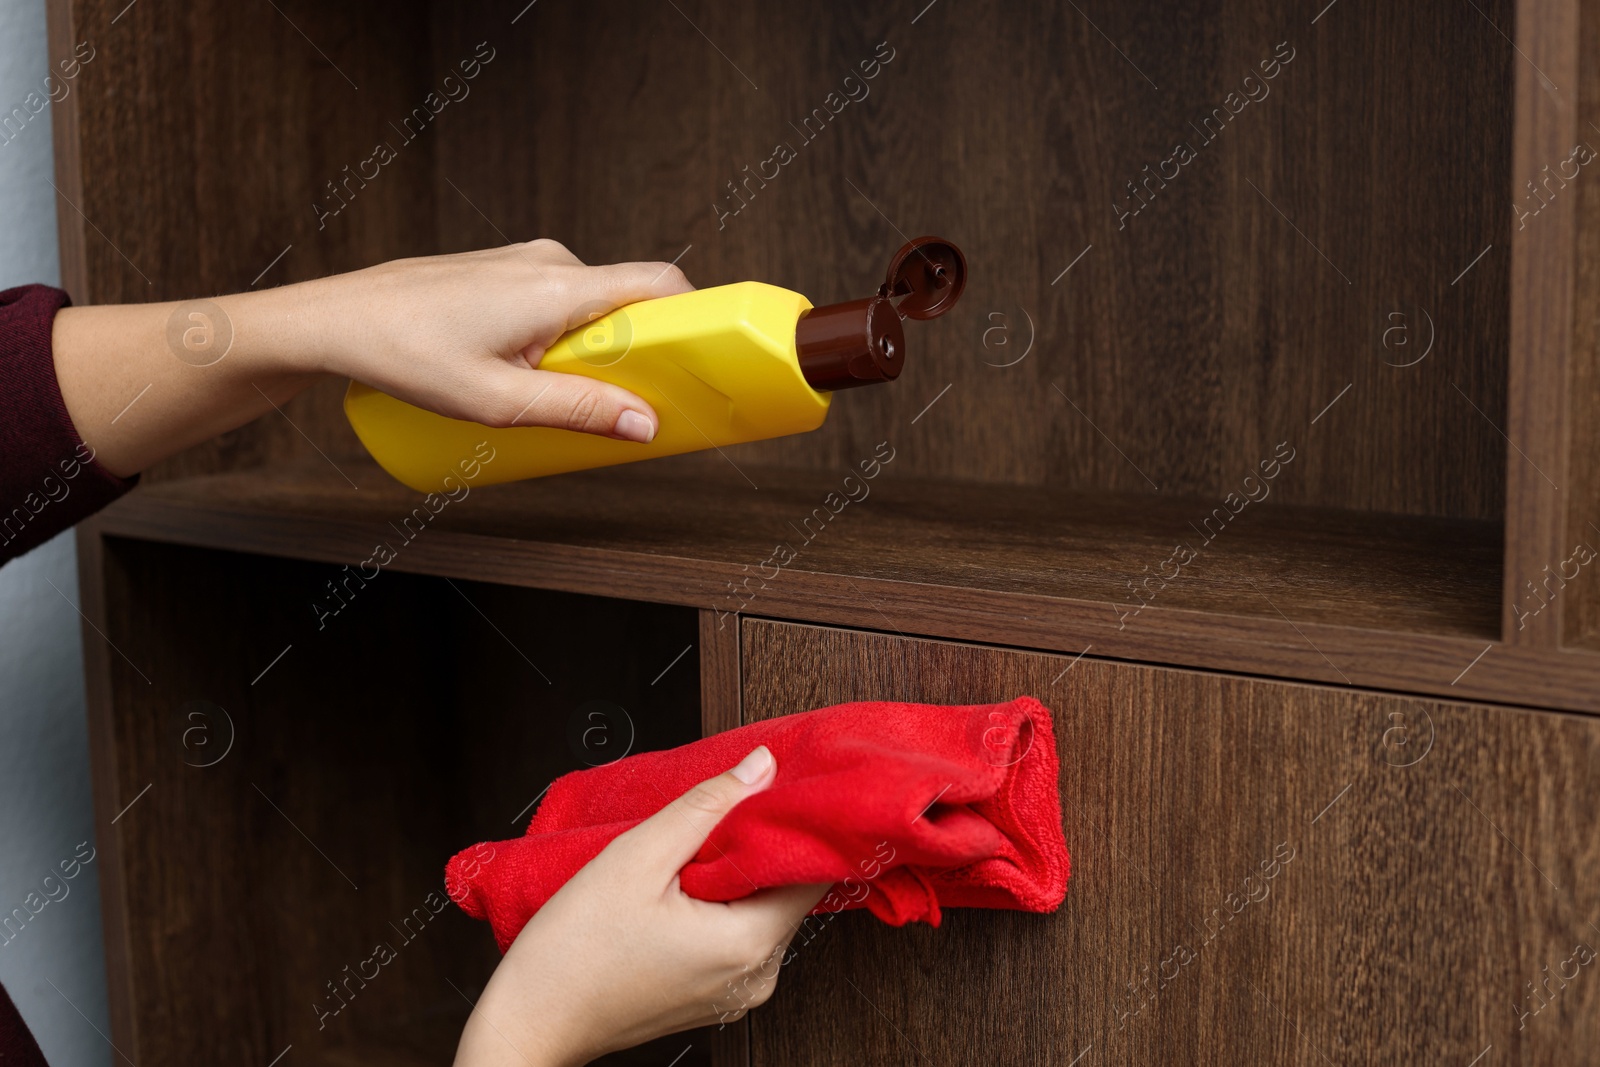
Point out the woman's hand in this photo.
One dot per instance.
(620, 955)
(461, 335)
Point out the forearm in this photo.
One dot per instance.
(461, 335)
(145, 381)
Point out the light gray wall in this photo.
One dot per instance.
(53, 967)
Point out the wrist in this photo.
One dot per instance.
(281, 335)
(495, 1043)
(520, 1024)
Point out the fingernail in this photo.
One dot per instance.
(635, 427)
(753, 767)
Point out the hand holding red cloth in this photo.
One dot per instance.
(908, 808)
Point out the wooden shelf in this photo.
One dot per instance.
(1402, 573)
(1393, 602)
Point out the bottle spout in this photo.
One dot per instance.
(862, 342)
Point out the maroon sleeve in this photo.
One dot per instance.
(17, 1046)
(49, 479)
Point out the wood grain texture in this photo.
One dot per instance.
(1255, 287)
(720, 697)
(201, 136)
(65, 145)
(301, 806)
(1250, 303)
(1580, 616)
(1298, 594)
(1183, 347)
(1416, 575)
(100, 584)
(1538, 420)
(719, 672)
(1261, 873)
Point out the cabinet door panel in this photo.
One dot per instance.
(1261, 873)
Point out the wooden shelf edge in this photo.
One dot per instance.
(719, 672)
(110, 792)
(1539, 420)
(62, 33)
(1461, 667)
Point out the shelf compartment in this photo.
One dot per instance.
(276, 798)
(1391, 602)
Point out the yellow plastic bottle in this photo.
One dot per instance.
(720, 366)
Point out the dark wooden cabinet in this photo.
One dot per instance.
(1274, 475)
(1262, 872)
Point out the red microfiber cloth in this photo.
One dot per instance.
(909, 808)
(906, 808)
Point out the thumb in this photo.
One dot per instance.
(671, 837)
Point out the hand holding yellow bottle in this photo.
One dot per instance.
(741, 362)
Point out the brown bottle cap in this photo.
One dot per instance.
(863, 341)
